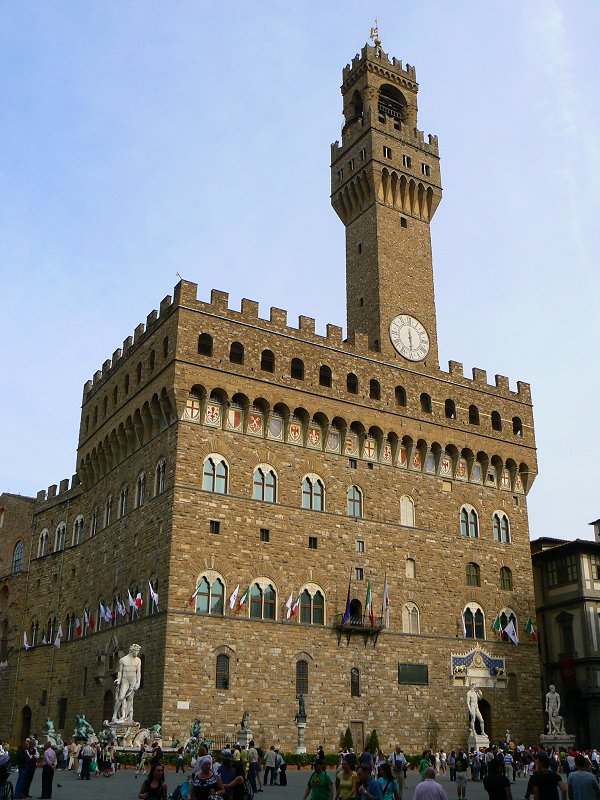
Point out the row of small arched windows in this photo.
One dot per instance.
(469, 524)
(267, 364)
(473, 576)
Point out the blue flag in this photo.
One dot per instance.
(346, 617)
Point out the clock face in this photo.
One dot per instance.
(409, 337)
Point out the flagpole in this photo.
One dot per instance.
(383, 597)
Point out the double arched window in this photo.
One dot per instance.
(160, 477)
(263, 598)
(264, 484)
(94, 522)
(410, 618)
(312, 606)
(123, 497)
(214, 475)
(17, 559)
(507, 615)
(407, 511)
(210, 597)
(140, 490)
(78, 530)
(313, 493)
(469, 524)
(354, 502)
(43, 543)
(474, 622)
(60, 536)
(108, 511)
(500, 527)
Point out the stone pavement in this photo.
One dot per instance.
(124, 786)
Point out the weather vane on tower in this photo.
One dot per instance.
(374, 35)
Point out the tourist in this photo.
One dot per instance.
(236, 787)
(474, 758)
(204, 782)
(389, 786)
(429, 788)
(141, 760)
(49, 764)
(180, 754)
(23, 759)
(443, 759)
(398, 762)
(321, 754)
(281, 768)
(345, 781)
(367, 787)
(424, 763)
(254, 767)
(32, 766)
(461, 763)
(509, 766)
(87, 753)
(452, 765)
(73, 748)
(228, 770)
(156, 754)
(270, 760)
(496, 784)
(320, 785)
(546, 782)
(154, 787)
(582, 785)
(244, 760)
(366, 759)
(106, 762)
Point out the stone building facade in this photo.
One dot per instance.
(227, 455)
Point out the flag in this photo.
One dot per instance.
(243, 598)
(138, 600)
(369, 604)
(121, 608)
(346, 617)
(195, 594)
(59, 635)
(91, 622)
(511, 632)
(233, 597)
(44, 636)
(530, 629)
(78, 627)
(288, 606)
(101, 611)
(153, 595)
(108, 614)
(131, 601)
(295, 606)
(464, 627)
(25, 642)
(496, 625)
(386, 603)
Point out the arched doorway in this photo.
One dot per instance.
(25, 723)
(486, 713)
(109, 704)
(355, 612)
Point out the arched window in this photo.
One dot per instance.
(264, 484)
(214, 476)
(222, 671)
(374, 389)
(517, 426)
(506, 581)
(17, 559)
(267, 361)
(60, 537)
(496, 421)
(301, 677)
(474, 622)
(354, 502)
(69, 625)
(4, 642)
(325, 375)
(159, 477)
(115, 395)
(126, 384)
(407, 511)
(43, 543)
(78, 530)
(152, 360)
(165, 346)
(473, 574)
(313, 493)
(236, 353)
(140, 490)
(411, 568)
(205, 344)
(450, 409)
(94, 522)
(138, 372)
(425, 403)
(108, 511)
(352, 383)
(33, 633)
(400, 395)
(473, 415)
(354, 682)
(210, 597)
(104, 405)
(507, 615)
(123, 496)
(410, 618)
(262, 601)
(500, 527)
(297, 369)
(469, 522)
(312, 607)
(152, 598)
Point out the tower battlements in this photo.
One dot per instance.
(395, 128)
(376, 56)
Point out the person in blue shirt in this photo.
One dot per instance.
(367, 787)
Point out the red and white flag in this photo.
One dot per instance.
(296, 606)
(25, 642)
(138, 600)
(153, 595)
(78, 627)
(59, 636)
(233, 597)
(91, 623)
(131, 600)
(288, 605)
(195, 594)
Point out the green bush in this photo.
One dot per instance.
(347, 742)
(373, 742)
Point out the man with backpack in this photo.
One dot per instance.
(461, 765)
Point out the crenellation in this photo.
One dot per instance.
(334, 334)
(106, 365)
(249, 309)
(51, 491)
(278, 316)
(75, 481)
(456, 368)
(219, 300)
(138, 332)
(97, 377)
(502, 383)
(185, 293)
(165, 304)
(306, 325)
(524, 390)
(116, 356)
(151, 319)
(63, 486)
(480, 377)
(41, 496)
(127, 345)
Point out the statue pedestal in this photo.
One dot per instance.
(560, 741)
(122, 732)
(244, 736)
(478, 741)
(301, 727)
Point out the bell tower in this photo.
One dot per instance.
(385, 187)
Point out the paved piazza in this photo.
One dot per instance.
(123, 786)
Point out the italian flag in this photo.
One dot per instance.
(530, 629)
(496, 627)
(243, 598)
(369, 604)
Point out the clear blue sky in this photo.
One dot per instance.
(141, 139)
